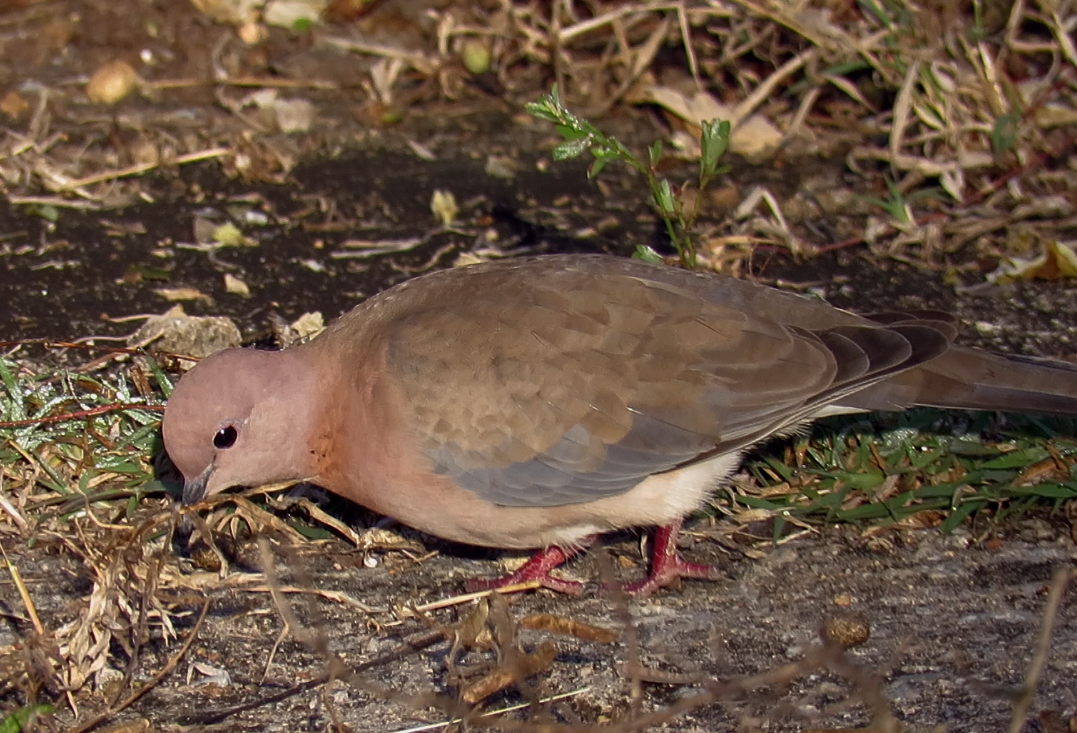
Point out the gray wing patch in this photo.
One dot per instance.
(561, 475)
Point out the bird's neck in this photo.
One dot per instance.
(353, 432)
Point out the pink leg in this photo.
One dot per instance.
(667, 565)
(537, 568)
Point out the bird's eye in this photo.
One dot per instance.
(225, 437)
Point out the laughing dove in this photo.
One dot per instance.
(536, 403)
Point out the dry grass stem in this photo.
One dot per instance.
(1023, 701)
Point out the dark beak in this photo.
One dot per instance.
(194, 490)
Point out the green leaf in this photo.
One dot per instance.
(541, 110)
(571, 148)
(864, 481)
(647, 254)
(663, 196)
(958, 515)
(1047, 491)
(1018, 458)
(713, 142)
(655, 152)
(864, 511)
(160, 377)
(47, 212)
(568, 132)
(16, 721)
(845, 67)
(832, 500)
(1004, 133)
(922, 459)
(785, 471)
(311, 533)
(756, 503)
(879, 14)
(968, 447)
(779, 527)
(548, 108)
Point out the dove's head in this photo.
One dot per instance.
(241, 418)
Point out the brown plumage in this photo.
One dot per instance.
(535, 403)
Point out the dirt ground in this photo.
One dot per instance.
(343, 210)
(953, 627)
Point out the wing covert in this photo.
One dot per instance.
(543, 386)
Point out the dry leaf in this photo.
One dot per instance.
(111, 82)
(235, 286)
(179, 294)
(754, 137)
(529, 664)
(501, 166)
(443, 205)
(235, 12)
(229, 235)
(308, 324)
(1057, 262)
(568, 627)
(292, 14)
(13, 105)
(294, 115)
(178, 333)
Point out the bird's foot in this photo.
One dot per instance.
(667, 565)
(537, 568)
(669, 572)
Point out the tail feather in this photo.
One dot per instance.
(977, 380)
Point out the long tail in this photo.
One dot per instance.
(977, 380)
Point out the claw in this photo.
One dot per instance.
(537, 568)
(667, 565)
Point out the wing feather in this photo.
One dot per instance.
(553, 381)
